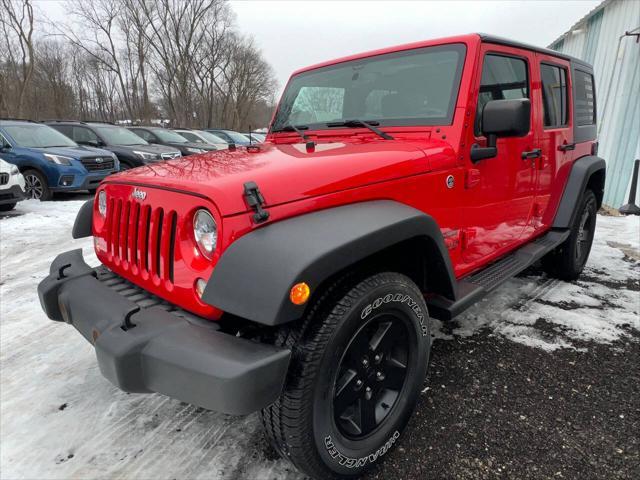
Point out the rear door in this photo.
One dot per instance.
(500, 197)
(555, 136)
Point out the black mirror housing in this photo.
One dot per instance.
(507, 118)
(502, 118)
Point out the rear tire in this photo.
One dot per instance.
(567, 261)
(359, 360)
(36, 186)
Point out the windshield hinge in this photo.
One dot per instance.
(255, 200)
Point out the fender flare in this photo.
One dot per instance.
(582, 171)
(254, 275)
(82, 227)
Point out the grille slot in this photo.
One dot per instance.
(4, 178)
(141, 238)
(97, 163)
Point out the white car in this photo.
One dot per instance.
(11, 186)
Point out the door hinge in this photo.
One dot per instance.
(255, 201)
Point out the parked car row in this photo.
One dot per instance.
(70, 156)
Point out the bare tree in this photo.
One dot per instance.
(17, 22)
(134, 59)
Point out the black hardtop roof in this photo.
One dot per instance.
(525, 46)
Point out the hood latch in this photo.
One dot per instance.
(255, 200)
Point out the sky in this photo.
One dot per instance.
(294, 34)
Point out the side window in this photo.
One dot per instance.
(554, 95)
(84, 135)
(142, 133)
(66, 130)
(191, 137)
(502, 78)
(585, 105)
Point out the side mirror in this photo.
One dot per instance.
(502, 118)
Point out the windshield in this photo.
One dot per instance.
(120, 136)
(169, 136)
(210, 137)
(415, 87)
(38, 136)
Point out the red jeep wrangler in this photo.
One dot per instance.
(298, 277)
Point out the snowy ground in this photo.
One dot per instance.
(61, 419)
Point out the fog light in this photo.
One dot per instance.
(201, 284)
(299, 293)
(66, 180)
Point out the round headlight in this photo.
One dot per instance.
(205, 232)
(102, 203)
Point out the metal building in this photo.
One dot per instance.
(608, 37)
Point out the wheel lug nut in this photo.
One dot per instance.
(358, 383)
(379, 374)
(368, 389)
(377, 358)
(365, 362)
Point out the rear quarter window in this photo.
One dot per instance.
(585, 98)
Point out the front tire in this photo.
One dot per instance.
(36, 186)
(567, 261)
(359, 360)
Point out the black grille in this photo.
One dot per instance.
(4, 178)
(98, 163)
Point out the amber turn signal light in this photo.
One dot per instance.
(299, 293)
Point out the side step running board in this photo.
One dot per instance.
(476, 286)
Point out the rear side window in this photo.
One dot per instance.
(554, 95)
(65, 130)
(190, 136)
(84, 135)
(502, 78)
(144, 134)
(585, 98)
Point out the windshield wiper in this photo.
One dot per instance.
(362, 123)
(298, 130)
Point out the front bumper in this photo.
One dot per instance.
(144, 344)
(12, 194)
(81, 182)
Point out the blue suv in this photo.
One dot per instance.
(51, 162)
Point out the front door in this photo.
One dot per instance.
(500, 190)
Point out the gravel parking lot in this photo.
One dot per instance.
(539, 380)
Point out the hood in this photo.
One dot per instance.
(76, 152)
(286, 173)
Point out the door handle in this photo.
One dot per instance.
(565, 147)
(535, 153)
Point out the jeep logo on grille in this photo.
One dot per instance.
(139, 194)
(99, 160)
